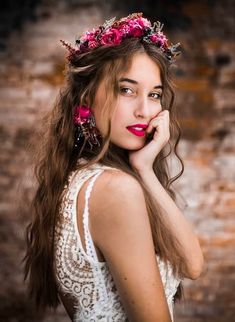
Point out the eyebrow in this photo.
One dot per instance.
(132, 81)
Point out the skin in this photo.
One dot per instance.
(140, 103)
(118, 220)
(137, 103)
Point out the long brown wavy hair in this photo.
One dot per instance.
(56, 157)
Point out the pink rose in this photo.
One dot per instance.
(158, 38)
(136, 32)
(124, 29)
(92, 44)
(134, 27)
(162, 38)
(143, 22)
(81, 114)
(111, 37)
(90, 36)
(153, 38)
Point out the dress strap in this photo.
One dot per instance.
(90, 248)
(77, 180)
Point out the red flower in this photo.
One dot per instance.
(81, 113)
(153, 38)
(143, 22)
(111, 37)
(124, 29)
(159, 38)
(136, 32)
(92, 44)
(136, 27)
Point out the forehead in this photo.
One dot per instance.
(143, 68)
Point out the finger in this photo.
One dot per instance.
(162, 117)
(158, 120)
(154, 125)
(165, 112)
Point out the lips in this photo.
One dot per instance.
(143, 126)
(137, 129)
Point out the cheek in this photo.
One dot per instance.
(156, 108)
(120, 117)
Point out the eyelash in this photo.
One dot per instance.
(122, 88)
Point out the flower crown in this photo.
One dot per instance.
(113, 32)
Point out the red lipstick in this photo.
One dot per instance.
(137, 129)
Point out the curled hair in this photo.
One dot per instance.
(56, 157)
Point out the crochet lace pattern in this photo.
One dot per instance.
(79, 273)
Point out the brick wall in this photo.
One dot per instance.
(31, 72)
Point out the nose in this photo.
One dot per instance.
(146, 109)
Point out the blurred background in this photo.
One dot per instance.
(32, 72)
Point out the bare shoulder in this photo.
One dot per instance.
(118, 202)
(117, 207)
(121, 229)
(116, 177)
(113, 187)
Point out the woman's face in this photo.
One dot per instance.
(139, 100)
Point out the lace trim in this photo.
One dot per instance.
(90, 249)
(78, 270)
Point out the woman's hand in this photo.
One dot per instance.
(143, 158)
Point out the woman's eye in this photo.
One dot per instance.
(125, 90)
(157, 95)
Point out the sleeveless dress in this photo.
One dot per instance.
(79, 273)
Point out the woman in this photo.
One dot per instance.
(107, 239)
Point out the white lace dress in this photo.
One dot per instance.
(79, 273)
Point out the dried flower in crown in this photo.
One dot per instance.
(114, 32)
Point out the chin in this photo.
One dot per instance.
(130, 144)
(135, 148)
